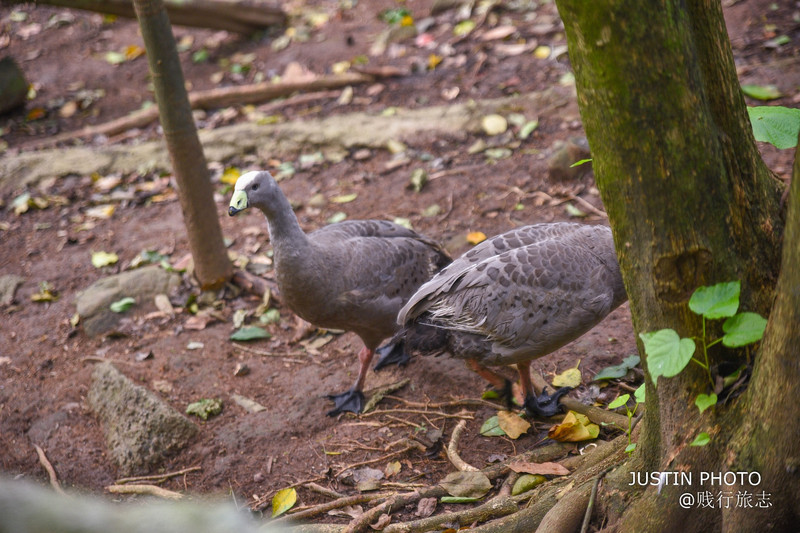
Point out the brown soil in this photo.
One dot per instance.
(44, 371)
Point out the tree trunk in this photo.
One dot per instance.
(691, 203)
(211, 265)
(237, 16)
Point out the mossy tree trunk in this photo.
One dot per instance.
(691, 203)
(211, 265)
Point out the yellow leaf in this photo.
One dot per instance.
(341, 67)
(568, 378)
(283, 500)
(344, 198)
(230, 175)
(433, 61)
(574, 428)
(100, 211)
(513, 424)
(392, 468)
(474, 237)
(407, 20)
(133, 51)
(542, 52)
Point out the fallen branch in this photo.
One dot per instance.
(149, 490)
(419, 412)
(328, 506)
(51, 472)
(239, 16)
(452, 449)
(466, 402)
(214, 98)
(411, 445)
(158, 478)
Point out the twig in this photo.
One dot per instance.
(158, 478)
(453, 172)
(317, 510)
(466, 402)
(269, 354)
(588, 206)
(420, 412)
(587, 518)
(412, 445)
(51, 472)
(452, 449)
(325, 491)
(150, 490)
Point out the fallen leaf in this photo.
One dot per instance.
(122, 305)
(46, 293)
(344, 198)
(457, 499)
(433, 61)
(283, 500)
(195, 345)
(475, 237)
(494, 124)
(426, 507)
(762, 92)
(68, 109)
(339, 216)
(100, 211)
(542, 52)
(133, 51)
(527, 482)
(574, 428)
(464, 27)
(382, 522)
(250, 333)
(512, 424)
(205, 408)
(352, 511)
(392, 468)
(230, 175)
(198, 322)
(499, 32)
(568, 378)
(466, 484)
(101, 259)
(491, 428)
(251, 406)
(618, 371)
(163, 304)
(545, 469)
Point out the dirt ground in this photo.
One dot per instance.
(45, 363)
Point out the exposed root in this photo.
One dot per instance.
(149, 490)
(51, 472)
(157, 478)
(452, 449)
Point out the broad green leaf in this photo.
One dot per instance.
(490, 394)
(731, 378)
(667, 353)
(205, 408)
(639, 394)
(101, 259)
(512, 424)
(630, 447)
(466, 484)
(701, 440)
(618, 371)
(776, 125)
(526, 482)
(620, 401)
(283, 500)
(120, 306)
(249, 333)
(717, 301)
(704, 401)
(491, 428)
(742, 329)
(761, 92)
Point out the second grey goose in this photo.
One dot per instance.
(516, 297)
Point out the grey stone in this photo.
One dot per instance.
(142, 285)
(8, 286)
(140, 429)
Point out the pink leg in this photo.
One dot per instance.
(497, 381)
(524, 370)
(364, 359)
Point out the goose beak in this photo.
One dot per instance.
(238, 202)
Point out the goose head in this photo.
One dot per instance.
(254, 189)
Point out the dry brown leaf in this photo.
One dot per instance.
(545, 469)
(426, 507)
(512, 424)
(198, 322)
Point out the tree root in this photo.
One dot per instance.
(150, 490)
(452, 449)
(51, 472)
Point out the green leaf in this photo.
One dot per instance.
(120, 306)
(717, 301)
(704, 401)
(464, 27)
(491, 428)
(761, 92)
(101, 259)
(115, 58)
(205, 408)
(457, 499)
(527, 129)
(283, 500)
(630, 447)
(701, 440)
(574, 211)
(581, 162)
(776, 125)
(667, 353)
(639, 394)
(618, 371)
(742, 329)
(526, 482)
(338, 216)
(619, 402)
(250, 333)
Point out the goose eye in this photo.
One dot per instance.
(255, 186)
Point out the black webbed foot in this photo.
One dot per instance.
(351, 400)
(545, 405)
(392, 353)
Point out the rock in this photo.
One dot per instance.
(142, 284)
(140, 429)
(13, 86)
(565, 155)
(8, 286)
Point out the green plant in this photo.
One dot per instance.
(623, 401)
(668, 354)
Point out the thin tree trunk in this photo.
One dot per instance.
(690, 202)
(211, 264)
